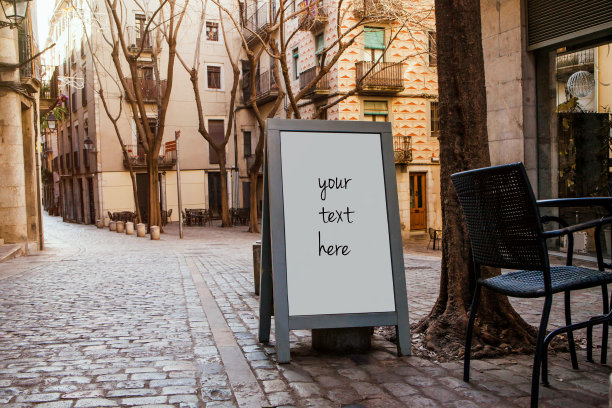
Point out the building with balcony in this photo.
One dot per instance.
(20, 198)
(90, 171)
(394, 81)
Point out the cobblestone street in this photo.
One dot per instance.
(105, 319)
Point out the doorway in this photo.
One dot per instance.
(92, 205)
(418, 205)
(214, 194)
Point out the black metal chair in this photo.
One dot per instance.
(505, 231)
(433, 237)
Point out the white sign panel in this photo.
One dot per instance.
(338, 254)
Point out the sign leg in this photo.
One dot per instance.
(403, 339)
(266, 290)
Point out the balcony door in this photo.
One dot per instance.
(418, 205)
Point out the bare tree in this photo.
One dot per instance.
(194, 76)
(275, 38)
(163, 23)
(97, 68)
(464, 145)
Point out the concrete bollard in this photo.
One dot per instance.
(99, 223)
(257, 265)
(141, 230)
(154, 232)
(112, 226)
(120, 226)
(129, 228)
(106, 221)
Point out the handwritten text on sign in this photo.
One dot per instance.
(334, 215)
(336, 229)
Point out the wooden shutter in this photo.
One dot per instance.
(551, 22)
(215, 129)
(374, 38)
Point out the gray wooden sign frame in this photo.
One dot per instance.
(273, 290)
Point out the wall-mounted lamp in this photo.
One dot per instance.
(51, 121)
(89, 145)
(15, 12)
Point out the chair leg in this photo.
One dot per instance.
(570, 335)
(468, 337)
(604, 334)
(537, 360)
(589, 356)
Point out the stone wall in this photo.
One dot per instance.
(510, 83)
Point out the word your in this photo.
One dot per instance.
(333, 249)
(332, 183)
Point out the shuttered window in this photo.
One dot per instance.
(215, 129)
(550, 22)
(320, 43)
(374, 38)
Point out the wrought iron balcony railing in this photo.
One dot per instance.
(314, 15)
(402, 149)
(257, 23)
(320, 88)
(265, 86)
(138, 158)
(384, 77)
(148, 87)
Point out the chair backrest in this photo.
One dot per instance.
(432, 233)
(502, 217)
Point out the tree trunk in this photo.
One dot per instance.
(153, 205)
(253, 221)
(464, 145)
(225, 215)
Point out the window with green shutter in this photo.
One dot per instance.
(374, 38)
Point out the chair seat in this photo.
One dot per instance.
(529, 284)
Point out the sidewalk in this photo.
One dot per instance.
(105, 319)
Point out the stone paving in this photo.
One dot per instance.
(104, 319)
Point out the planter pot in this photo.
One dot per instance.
(99, 223)
(106, 222)
(120, 226)
(129, 228)
(112, 226)
(141, 230)
(155, 234)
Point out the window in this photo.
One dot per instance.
(213, 75)
(141, 35)
(215, 130)
(433, 49)
(145, 72)
(296, 63)
(212, 31)
(246, 136)
(375, 111)
(434, 119)
(320, 43)
(84, 90)
(374, 43)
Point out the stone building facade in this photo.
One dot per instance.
(401, 89)
(20, 216)
(93, 182)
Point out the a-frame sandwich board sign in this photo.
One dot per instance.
(331, 239)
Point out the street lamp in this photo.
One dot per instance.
(15, 12)
(51, 121)
(89, 145)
